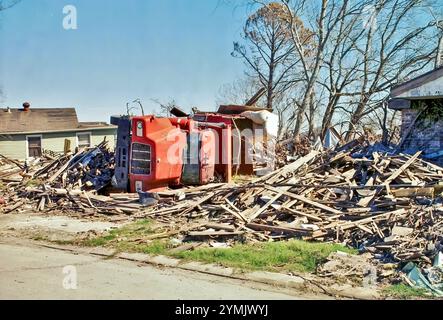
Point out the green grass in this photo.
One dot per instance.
(403, 291)
(127, 233)
(293, 255)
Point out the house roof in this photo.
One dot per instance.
(42, 120)
(426, 86)
(403, 90)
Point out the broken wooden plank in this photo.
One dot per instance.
(214, 233)
(220, 226)
(262, 209)
(306, 200)
(303, 214)
(235, 214)
(288, 231)
(402, 168)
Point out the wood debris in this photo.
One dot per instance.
(351, 196)
(389, 205)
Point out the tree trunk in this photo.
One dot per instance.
(356, 117)
(327, 118)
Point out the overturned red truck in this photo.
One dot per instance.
(154, 152)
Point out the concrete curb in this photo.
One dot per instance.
(269, 278)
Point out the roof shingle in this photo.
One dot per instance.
(38, 120)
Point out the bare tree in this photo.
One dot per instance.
(396, 47)
(165, 108)
(269, 53)
(6, 4)
(272, 59)
(362, 48)
(328, 15)
(340, 66)
(239, 91)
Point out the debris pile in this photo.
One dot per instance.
(9, 169)
(387, 205)
(57, 183)
(88, 169)
(383, 203)
(287, 149)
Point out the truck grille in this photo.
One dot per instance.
(141, 159)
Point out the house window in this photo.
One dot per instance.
(83, 140)
(34, 146)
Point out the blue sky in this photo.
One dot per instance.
(122, 50)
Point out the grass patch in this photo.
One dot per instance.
(293, 255)
(403, 291)
(289, 256)
(127, 239)
(128, 232)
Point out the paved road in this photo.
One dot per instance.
(34, 272)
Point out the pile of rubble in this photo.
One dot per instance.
(57, 183)
(287, 149)
(387, 205)
(383, 203)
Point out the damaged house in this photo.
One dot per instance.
(26, 132)
(420, 102)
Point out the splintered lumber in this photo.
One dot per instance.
(305, 200)
(386, 215)
(262, 209)
(368, 196)
(59, 172)
(220, 226)
(414, 192)
(232, 205)
(365, 229)
(357, 194)
(214, 233)
(303, 214)
(18, 164)
(288, 231)
(234, 213)
(402, 168)
(197, 203)
(336, 198)
(13, 207)
(294, 166)
(189, 190)
(41, 205)
(59, 192)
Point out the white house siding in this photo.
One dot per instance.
(98, 136)
(15, 146)
(56, 141)
(431, 89)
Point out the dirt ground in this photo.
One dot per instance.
(29, 270)
(53, 228)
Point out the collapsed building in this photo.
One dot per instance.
(420, 101)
